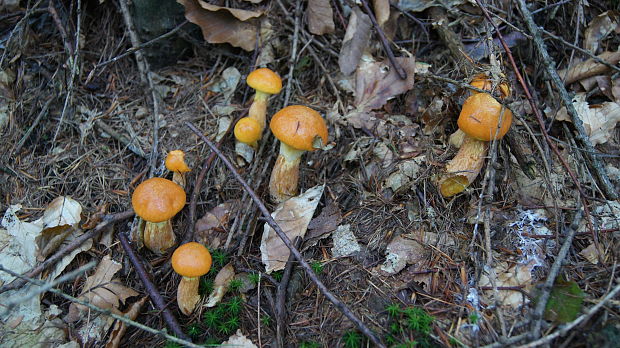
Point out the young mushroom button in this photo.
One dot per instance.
(299, 129)
(157, 200)
(175, 162)
(265, 82)
(191, 261)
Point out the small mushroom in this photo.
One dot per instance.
(175, 162)
(265, 82)
(157, 200)
(191, 261)
(248, 131)
(299, 129)
(482, 119)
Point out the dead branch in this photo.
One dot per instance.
(151, 289)
(333, 299)
(103, 311)
(108, 220)
(588, 150)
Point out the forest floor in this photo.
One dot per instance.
(513, 260)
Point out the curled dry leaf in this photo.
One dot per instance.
(101, 290)
(223, 24)
(119, 327)
(220, 285)
(589, 68)
(211, 229)
(354, 41)
(375, 84)
(59, 217)
(601, 26)
(598, 120)
(412, 249)
(293, 216)
(320, 17)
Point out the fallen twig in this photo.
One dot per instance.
(103, 311)
(384, 42)
(281, 298)
(339, 305)
(151, 289)
(108, 220)
(145, 76)
(39, 290)
(566, 328)
(589, 151)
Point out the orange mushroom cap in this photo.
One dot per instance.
(265, 80)
(191, 260)
(482, 81)
(175, 161)
(247, 130)
(297, 126)
(480, 117)
(158, 199)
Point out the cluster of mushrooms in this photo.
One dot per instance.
(158, 200)
(482, 119)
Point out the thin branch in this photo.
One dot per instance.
(142, 46)
(145, 76)
(568, 327)
(339, 305)
(39, 290)
(281, 298)
(293, 58)
(103, 311)
(108, 220)
(384, 42)
(590, 153)
(151, 289)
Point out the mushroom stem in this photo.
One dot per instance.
(187, 294)
(463, 169)
(158, 236)
(285, 174)
(258, 109)
(179, 179)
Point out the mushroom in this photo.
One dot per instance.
(265, 82)
(482, 119)
(299, 129)
(191, 261)
(175, 162)
(248, 131)
(157, 200)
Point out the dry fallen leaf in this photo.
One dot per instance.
(375, 84)
(101, 290)
(589, 68)
(293, 216)
(354, 41)
(515, 275)
(239, 340)
(410, 249)
(320, 17)
(119, 327)
(601, 26)
(321, 226)
(59, 216)
(220, 285)
(382, 11)
(344, 242)
(222, 24)
(591, 254)
(598, 120)
(211, 229)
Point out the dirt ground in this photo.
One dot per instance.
(476, 262)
